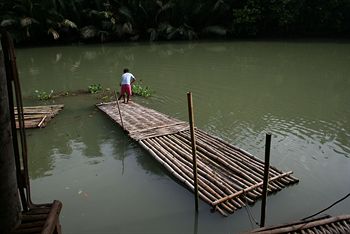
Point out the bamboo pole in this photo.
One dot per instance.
(221, 159)
(266, 178)
(42, 121)
(204, 175)
(230, 149)
(193, 143)
(233, 177)
(203, 169)
(249, 161)
(246, 154)
(157, 127)
(120, 114)
(222, 170)
(52, 219)
(248, 189)
(305, 225)
(208, 172)
(229, 153)
(168, 167)
(246, 168)
(176, 172)
(254, 164)
(59, 106)
(184, 145)
(9, 200)
(35, 116)
(204, 185)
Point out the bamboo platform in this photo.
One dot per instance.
(229, 178)
(38, 116)
(43, 219)
(328, 224)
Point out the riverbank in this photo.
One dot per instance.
(54, 22)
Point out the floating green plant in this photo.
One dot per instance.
(95, 88)
(141, 90)
(43, 95)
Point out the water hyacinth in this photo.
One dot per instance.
(95, 88)
(141, 90)
(43, 96)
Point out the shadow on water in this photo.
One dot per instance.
(149, 164)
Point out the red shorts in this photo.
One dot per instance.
(125, 89)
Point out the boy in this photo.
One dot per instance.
(125, 85)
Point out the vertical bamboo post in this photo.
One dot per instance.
(193, 143)
(266, 178)
(9, 199)
(120, 114)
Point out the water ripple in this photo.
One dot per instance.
(322, 135)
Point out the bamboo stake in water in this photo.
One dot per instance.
(193, 143)
(120, 114)
(266, 179)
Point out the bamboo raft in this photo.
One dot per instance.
(229, 178)
(38, 116)
(328, 224)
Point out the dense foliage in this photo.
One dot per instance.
(112, 20)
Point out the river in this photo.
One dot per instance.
(297, 90)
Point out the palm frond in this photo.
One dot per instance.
(8, 22)
(27, 21)
(127, 28)
(88, 32)
(68, 23)
(54, 33)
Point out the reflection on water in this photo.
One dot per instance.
(81, 132)
(242, 90)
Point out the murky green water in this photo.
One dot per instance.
(299, 91)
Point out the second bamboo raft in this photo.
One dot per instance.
(38, 116)
(328, 224)
(229, 178)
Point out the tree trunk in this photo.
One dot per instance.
(9, 200)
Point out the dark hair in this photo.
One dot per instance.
(126, 70)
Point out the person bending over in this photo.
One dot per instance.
(125, 85)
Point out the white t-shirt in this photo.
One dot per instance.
(126, 78)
